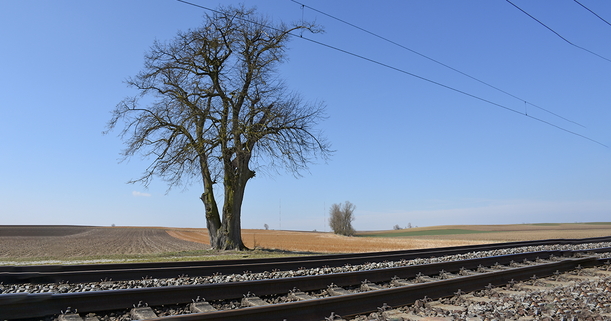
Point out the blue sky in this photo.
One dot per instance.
(407, 150)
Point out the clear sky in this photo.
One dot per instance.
(407, 150)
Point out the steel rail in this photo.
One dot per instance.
(131, 271)
(16, 306)
(367, 302)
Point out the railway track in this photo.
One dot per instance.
(578, 294)
(310, 297)
(131, 271)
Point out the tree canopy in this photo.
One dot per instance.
(215, 109)
(341, 217)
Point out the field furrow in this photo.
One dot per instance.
(93, 241)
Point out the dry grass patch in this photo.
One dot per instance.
(318, 242)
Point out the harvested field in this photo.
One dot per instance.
(422, 237)
(75, 241)
(319, 242)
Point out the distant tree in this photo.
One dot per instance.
(216, 110)
(409, 225)
(266, 226)
(396, 227)
(341, 217)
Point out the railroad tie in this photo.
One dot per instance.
(572, 277)
(253, 301)
(335, 291)
(477, 299)
(70, 317)
(426, 278)
(397, 315)
(199, 307)
(143, 313)
(551, 283)
(542, 287)
(401, 282)
(600, 272)
(447, 307)
(512, 293)
(300, 296)
(370, 287)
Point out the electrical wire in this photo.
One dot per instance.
(448, 87)
(434, 60)
(404, 72)
(594, 13)
(557, 34)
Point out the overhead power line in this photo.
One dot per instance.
(433, 60)
(557, 34)
(594, 13)
(404, 72)
(447, 87)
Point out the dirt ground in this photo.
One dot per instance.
(317, 241)
(65, 242)
(79, 241)
(331, 243)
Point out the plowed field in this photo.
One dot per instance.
(75, 241)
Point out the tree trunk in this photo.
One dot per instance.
(229, 237)
(213, 220)
(226, 234)
(232, 211)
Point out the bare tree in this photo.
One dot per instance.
(341, 217)
(266, 226)
(216, 111)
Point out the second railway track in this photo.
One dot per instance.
(348, 293)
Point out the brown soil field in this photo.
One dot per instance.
(77, 241)
(41, 230)
(318, 242)
(330, 243)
